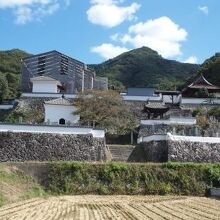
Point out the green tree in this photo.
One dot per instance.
(3, 87)
(105, 109)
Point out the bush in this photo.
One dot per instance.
(124, 178)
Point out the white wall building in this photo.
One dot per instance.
(45, 84)
(60, 111)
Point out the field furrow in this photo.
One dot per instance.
(113, 208)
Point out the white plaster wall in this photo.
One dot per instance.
(156, 137)
(193, 138)
(99, 133)
(47, 95)
(45, 86)
(172, 120)
(5, 107)
(141, 98)
(54, 113)
(200, 101)
(169, 136)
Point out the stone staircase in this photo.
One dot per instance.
(120, 152)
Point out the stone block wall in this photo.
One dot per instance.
(155, 151)
(50, 147)
(185, 151)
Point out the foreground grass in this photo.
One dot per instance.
(15, 185)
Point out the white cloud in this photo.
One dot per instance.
(204, 9)
(23, 15)
(29, 10)
(108, 13)
(161, 34)
(192, 60)
(108, 51)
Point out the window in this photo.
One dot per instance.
(41, 65)
(64, 65)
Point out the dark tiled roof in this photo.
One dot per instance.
(201, 82)
(59, 101)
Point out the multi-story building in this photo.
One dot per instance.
(43, 72)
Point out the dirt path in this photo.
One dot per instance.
(91, 207)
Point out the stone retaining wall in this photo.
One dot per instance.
(155, 151)
(185, 151)
(50, 147)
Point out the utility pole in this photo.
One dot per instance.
(83, 78)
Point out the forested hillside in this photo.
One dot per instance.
(137, 68)
(211, 69)
(145, 67)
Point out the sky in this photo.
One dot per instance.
(93, 31)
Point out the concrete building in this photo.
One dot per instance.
(60, 111)
(73, 75)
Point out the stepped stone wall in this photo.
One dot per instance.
(50, 147)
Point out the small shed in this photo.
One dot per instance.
(45, 84)
(60, 111)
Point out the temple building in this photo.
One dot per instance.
(200, 83)
(50, 68)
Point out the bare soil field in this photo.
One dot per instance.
(90, 207)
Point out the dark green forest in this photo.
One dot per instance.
(144, 67)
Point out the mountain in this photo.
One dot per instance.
(145, 67)
(211, 69)
(10, 68)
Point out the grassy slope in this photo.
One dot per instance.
(15, 185)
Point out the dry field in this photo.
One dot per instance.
(113, 207)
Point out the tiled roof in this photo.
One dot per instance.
(43, 78)
(201, 82)
(59, 101)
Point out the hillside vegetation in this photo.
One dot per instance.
(137, 68)
(10, 69)
(72, 178)
(15, 185)
(145, 67)
(211, 69)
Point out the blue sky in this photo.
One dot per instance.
(95, 30)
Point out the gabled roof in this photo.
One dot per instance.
(201, 82)
(59, 101)
(44, 78)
